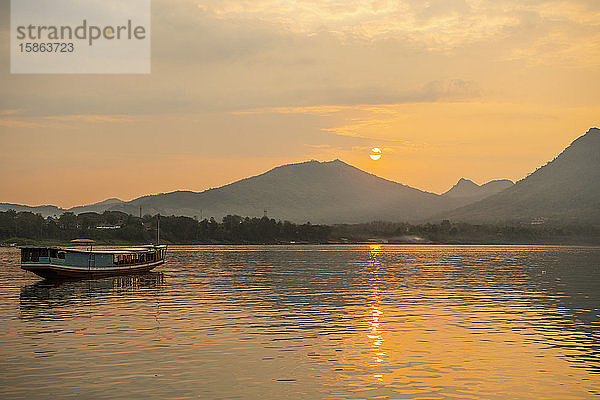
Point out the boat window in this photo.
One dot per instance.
(43, 252)
(31, 255)
(53, 253)
(61, 255)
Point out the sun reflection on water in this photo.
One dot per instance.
(352, 321)
(376, 331)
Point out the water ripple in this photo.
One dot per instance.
(444, 322)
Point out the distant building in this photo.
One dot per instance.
(374, 240)
(538, 221)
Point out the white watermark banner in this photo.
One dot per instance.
(80, 37)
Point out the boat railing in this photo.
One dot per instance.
(139, 258)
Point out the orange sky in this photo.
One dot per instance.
(448, 89)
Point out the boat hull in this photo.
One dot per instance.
(50, 271)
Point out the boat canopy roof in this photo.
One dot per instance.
(122, 250)
(82, 241)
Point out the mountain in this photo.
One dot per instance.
(45, 211)
(51, 211)
(463, 188)
(319, 192)
(565, 190)
(466, 191)
(96, 207)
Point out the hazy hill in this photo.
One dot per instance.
(319, 192)
(466, 191)
(45, 211)
(566, 190)
(97, 207)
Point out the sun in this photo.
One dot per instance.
(375, 153)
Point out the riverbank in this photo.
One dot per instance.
(115, 228)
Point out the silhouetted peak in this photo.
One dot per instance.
(112, 200)
(463, 187)
(465, 183)
(314, 164)
(591, 138)
(563, 190)
(336, 162)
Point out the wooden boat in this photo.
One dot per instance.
(54, 262)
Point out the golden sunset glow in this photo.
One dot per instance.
(448, 89)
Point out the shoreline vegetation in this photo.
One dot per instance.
(118, 228)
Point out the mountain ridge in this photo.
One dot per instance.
(324, 192)
(331, 191)
(466, 191)
(564, 190)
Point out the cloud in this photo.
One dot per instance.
(453, 89)
(245, 55)
(434, 25)
(369, 98)
(15, 123)
(11, 112)
(92, 118)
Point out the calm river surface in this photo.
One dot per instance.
(311, 322)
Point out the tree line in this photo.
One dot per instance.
(115, 227)
(118, 227)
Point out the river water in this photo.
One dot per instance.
(311, 322)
